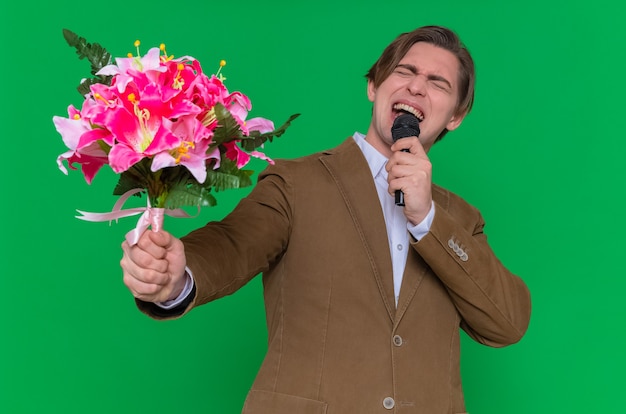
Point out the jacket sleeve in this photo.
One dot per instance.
(223, 256)
(494, 304)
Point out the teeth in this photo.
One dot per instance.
(409, 109)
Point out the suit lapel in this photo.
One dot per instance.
(414, 273)
(416, 267)
(350, 171)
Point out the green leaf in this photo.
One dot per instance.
(176, 187)
(137, 176)
(129, 181)
(94, 53)
(257, 139)
(189, 194)
(228, 176)
(85, 86)
(186, 191)
(228, 129)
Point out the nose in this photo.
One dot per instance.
(417, 85)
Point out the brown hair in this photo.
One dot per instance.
(438, 36)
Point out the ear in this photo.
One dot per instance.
(455, 121)
(371, 90)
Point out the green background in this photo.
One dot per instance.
(541, 155)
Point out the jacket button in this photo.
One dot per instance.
(397, 340)
(389, 403)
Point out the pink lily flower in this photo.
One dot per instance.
(261, 156)
(238, 105)
(191, 151)
(140, 123)
(241, 157)
(206, 92)
(125, 68)
(138, 138)
(257, 124)
(90, 155)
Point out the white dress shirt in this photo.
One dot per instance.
(398, 227)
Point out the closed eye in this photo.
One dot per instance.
(440, 82)
(404, 70)
(437, 80)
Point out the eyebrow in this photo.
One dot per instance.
(413, 69)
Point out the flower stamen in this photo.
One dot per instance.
(99, 97)
(183, 151)
(178, 81)
(218, 73)
(137, 59)
(143, 116)
(209, 117)
(165, 58)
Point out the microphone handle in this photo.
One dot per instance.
(399, 193)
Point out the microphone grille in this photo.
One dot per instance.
(406, 125)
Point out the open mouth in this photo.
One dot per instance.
(400, 107)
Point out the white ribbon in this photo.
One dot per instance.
(150, 216)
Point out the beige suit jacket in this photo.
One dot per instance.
(337, 343)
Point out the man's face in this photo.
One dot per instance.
(425, 83)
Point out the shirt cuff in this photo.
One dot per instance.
(172, 303)
(422, 228)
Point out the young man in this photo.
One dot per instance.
(364, 298)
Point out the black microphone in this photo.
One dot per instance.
(406, 125)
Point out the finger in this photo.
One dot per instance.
(409, 177)
(161, 238)
(145, 274)
(144, 283)
(147, 278)
(402, 144)
(136, 258)
(146, 291)
(407, 166)
(412, 144)
(152, 243)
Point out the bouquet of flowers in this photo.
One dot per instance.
(165, 127)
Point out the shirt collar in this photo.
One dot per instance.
(375, 159)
